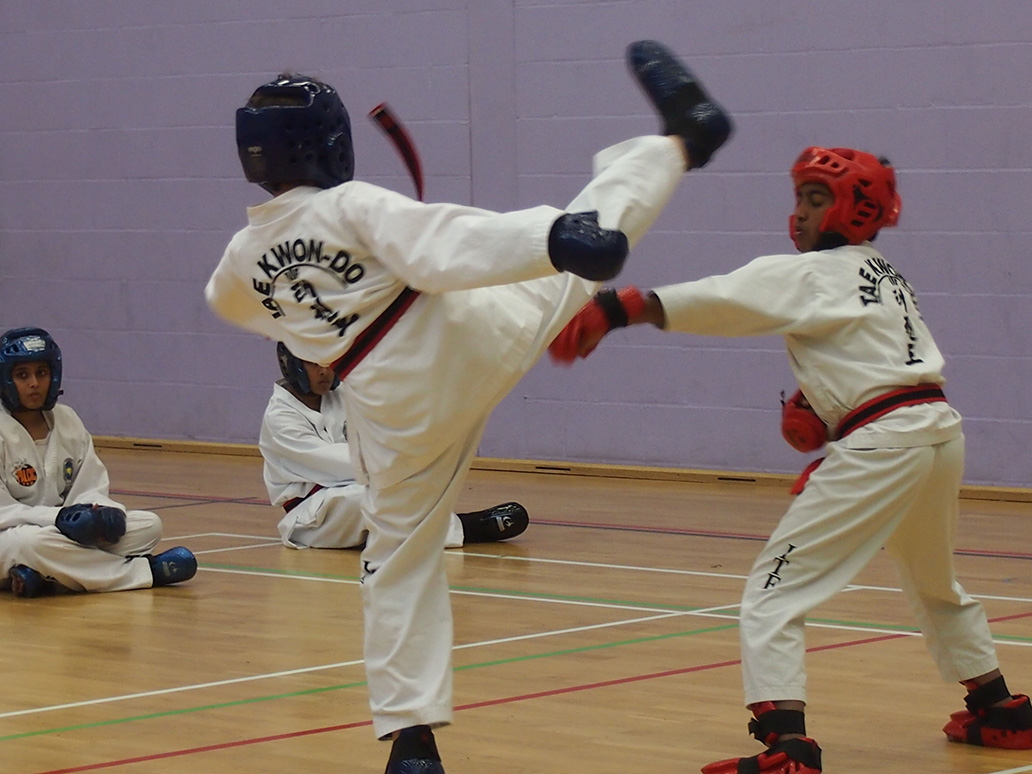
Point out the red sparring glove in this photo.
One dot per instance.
(800, 426)
(609, 309)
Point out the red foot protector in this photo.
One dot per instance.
(1008, 727)
(792, 756)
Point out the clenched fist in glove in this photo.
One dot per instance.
(609, 309)
(91, 525)
(800, 425)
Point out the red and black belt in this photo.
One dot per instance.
(872, 410)
(370, 337)
(890, 401)
(290, 505)
(362, 346)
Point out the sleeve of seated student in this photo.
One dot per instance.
(609, 309)
(437, 247)
(295, 453)
(15, 514)
(33, 507)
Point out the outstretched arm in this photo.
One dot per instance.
(609, 309)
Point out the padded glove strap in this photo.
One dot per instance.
(611, 307)
(620, 306)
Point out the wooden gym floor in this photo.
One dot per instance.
(602, 641)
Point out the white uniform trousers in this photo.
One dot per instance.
(120, 567)
(332, 518)
(408, 624)
(857, 501)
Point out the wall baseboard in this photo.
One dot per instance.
(784, 481)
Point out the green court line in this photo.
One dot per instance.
(186, 711)
(472, 589)
(359, 684)
(602, 601)
(899, 628)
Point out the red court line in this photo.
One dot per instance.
(475, 705)
(192, 497)
(210, 748)
(636, 528)
(656, 675)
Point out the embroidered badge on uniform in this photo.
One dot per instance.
(68, 470)
(25, 474)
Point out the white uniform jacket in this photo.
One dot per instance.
(851, 326)
(303, 447)
(38, 480)
(314, 267)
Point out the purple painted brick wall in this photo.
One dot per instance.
(119, 187)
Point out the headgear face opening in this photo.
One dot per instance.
(863, 187)
(26, 345)
(293, 369)
(295, 129)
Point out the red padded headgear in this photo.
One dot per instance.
(863, 187)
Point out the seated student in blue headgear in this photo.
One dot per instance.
(58, 525)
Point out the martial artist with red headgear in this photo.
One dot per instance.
(870, 379)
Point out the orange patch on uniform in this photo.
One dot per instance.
(26, 475)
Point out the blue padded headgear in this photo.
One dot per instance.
(293, 369)
(295, 130)
(24, 345)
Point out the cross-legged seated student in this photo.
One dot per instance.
(308, 470)
(59, 528)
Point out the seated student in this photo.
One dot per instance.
(308, 468)
(58, 526)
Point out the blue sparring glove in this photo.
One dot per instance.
(91, 525)
(577, 244)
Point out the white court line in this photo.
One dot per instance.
(304, 670)
(181, 688)
(975, 596)
(484, 594)
(635, 568)
(219, 534)
(711, 612)
(1018, 770)
(236, 548)
(573, 563)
